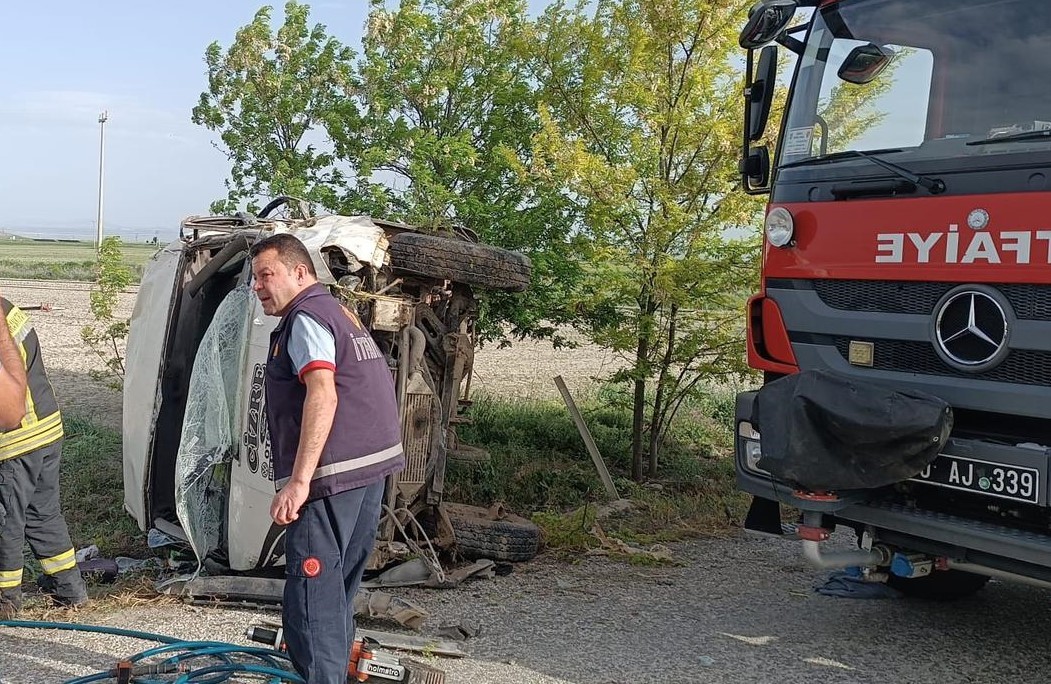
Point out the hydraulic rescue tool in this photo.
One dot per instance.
(367, 662)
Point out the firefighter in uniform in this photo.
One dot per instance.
(29, 496)
(12, 381)
(335, 432)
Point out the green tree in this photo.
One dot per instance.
(107, 337)
(432, 126)
(447, 115)
(270, 96)
(643, 127)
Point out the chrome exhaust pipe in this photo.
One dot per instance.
(845, 558)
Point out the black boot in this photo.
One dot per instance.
(65, 588)
(10, 603)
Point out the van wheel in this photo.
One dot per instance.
(465, 262)
(940, 585)
(511, 538)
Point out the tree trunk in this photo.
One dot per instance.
(639, 411)
(655, 424)
(654, 436)
(657, 418)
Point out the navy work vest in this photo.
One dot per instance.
(364, 444)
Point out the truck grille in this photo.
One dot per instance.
(1022, 366)
(1030, 302)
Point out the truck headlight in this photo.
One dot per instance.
(780, 227)
(752, 447)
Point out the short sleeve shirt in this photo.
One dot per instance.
(310, 346)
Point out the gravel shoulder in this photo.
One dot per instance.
(735, 610)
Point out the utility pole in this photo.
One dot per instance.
(103, 117)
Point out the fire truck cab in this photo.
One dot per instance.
(903, 321)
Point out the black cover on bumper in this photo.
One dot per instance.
(824, 432)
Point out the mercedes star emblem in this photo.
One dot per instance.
(971, 329)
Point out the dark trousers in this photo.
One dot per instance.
(326, 550)
(30, 510)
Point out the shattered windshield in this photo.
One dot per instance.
(210, 425)
(921, 80)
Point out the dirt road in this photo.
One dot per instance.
(523, 370)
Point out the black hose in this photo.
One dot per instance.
(224, 660)
(274, 204)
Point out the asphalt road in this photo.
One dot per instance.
(736, 610)
(745, 610)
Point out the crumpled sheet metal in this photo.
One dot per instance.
(270, 590)
(416, 572)
(381, 605)
(356, 236)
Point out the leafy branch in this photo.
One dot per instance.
(108, 335)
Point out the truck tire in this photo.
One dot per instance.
(940, 585)
(508, 539)
(461, 261)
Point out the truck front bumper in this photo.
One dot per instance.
(937, 533)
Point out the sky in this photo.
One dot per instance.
(143, 62)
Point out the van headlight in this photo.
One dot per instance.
(780, 227)
(752, 447)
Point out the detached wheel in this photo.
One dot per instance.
(511, 538)
(940, 585)
(461, 261)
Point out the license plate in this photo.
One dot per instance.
(1017, 483)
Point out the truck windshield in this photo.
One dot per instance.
(922, 79)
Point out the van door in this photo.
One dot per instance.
(143, 366)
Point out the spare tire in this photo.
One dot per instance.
(461, 261)
(511, 538)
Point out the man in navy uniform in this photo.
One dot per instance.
(335, 436)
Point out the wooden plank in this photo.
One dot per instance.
(589, 441)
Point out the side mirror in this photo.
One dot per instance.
(865, 63)
(766, 20)
(761, 92)
(755, 170)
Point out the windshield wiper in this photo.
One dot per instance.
(934, 185)
(1021, 136)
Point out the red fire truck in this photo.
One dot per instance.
(903, 322)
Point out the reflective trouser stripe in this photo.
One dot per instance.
(63, 561)
(10, 578)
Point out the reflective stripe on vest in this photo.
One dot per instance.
(352, 464)
(31, 437)
(35, 431)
